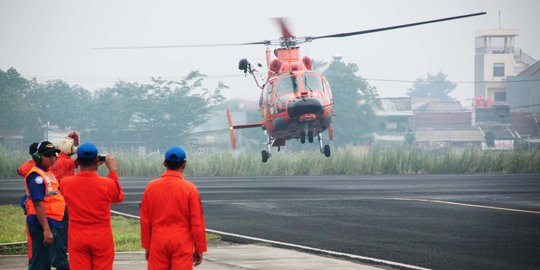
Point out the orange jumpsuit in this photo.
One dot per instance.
(23, 171)
(88, 198)
(25, 167)
(64, 166)
(172, 222)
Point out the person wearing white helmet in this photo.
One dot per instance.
(65, 165)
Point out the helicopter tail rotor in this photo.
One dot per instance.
(232, 127)
(231, 130)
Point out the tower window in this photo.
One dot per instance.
(498, 70)
(500, 96)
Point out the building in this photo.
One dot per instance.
(524, 90)
(434, 123)
(507, 89)
(394, 117)
(440, 115)
(496, 59)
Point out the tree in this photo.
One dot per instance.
(160, 114)
(116, 109)
(60, 104)
(17, 108)
(354, 100)
(434, 86)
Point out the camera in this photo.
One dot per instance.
(102, 158)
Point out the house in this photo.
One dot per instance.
(441, 115)
(394, 117)
(434, 123)
(524, 90)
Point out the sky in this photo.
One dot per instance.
(48, 40)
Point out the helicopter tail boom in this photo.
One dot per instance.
(232, 127)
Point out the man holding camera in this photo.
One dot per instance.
(89, 197)
(45, 206)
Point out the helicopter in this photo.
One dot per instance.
(296, 101)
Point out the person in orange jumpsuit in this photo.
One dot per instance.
(23, 171)
(27, 165)
(172, 222)
(45, 206)
(88, 198)
(64, 166)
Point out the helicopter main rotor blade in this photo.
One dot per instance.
(266, 42)
(284, 28)
(393, 27)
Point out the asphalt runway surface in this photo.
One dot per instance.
(430, 221)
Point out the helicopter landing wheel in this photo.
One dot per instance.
(327, 150)
(265, 155)
(303, 137)
(310, 136)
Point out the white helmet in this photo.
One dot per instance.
(67, 146)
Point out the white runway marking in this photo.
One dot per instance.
(469, 205)
(352, 256)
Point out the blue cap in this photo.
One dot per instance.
(175, 154)
(87, 150)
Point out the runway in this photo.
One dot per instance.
(430, 221)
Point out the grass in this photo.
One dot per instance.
(126, 232)
(349, 160)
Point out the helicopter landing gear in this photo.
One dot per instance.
(324, 149)
(327, 150)
(266, 153)
(309, 130)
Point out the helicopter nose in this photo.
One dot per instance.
(300, 106)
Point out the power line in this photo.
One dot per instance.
(98, 79)
(458, 82)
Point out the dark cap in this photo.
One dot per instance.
(87, 151)
(175, 154)
(33, 148)
(47, 148)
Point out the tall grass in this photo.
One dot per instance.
(348, 160)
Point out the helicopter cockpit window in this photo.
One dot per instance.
(268, 90)
(287, 84)
(312, 82)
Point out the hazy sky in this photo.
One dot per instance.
(54, 39)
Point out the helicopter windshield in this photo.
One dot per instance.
(312, 82)
(287, 84)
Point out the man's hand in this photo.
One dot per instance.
(42, 218)
(47, 237)
(197, 258)
(111, 163)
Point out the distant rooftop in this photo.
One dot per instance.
(497, 32)
(532, 71)
(440, 106)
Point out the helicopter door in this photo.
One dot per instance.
(270, 98)
(328, 91)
